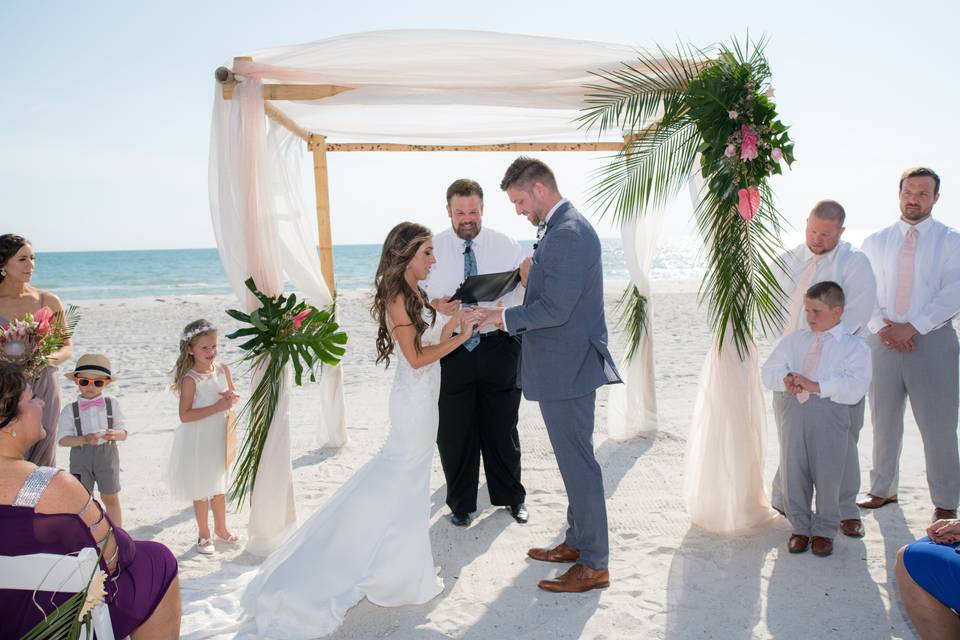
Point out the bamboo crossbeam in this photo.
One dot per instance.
(278, 116)
(291, 91)
(508, 146)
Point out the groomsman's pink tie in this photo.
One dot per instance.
(905, 271)
(796, 304)
(810, 362)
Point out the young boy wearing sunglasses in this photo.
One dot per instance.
(91, 426)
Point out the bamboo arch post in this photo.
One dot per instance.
(318, 146)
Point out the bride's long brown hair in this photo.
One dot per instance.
(399, 248)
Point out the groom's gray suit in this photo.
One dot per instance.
(564, 360)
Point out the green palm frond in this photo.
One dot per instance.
(648, 173)
(632, 307)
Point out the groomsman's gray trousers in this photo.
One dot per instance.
(929, 377)
(850, 483)
(570, 427)
(813, 451)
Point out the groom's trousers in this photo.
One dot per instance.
(570, 427)
(479, 402)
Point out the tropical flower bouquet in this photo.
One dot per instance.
(284, 330)
(713, 108)
(30, 341)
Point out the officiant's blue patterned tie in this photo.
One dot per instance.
(470, 269)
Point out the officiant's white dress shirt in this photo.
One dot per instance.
(935, 294)
(843, 371)
(495, 252)
(844, 265)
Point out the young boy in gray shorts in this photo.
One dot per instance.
(91, 426)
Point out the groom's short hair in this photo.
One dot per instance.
(464, 187)
(827, 292)
(523, 172)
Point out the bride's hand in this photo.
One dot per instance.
(469, 320)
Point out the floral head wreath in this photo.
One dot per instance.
(187, 336)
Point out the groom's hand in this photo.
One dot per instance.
(492, 316)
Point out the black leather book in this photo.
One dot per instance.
(488, 287)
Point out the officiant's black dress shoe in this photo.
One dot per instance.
(519, 513)
(460, 519)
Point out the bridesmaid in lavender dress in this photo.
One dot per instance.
(45, 510)
(18, 298)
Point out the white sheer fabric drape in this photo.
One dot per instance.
(632, 406)
(259, 222)
(723, 477)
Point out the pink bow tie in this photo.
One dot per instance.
(96, 402)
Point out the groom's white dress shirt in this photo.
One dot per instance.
(935, 294)
(495, 252)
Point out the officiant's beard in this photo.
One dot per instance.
(467, 230)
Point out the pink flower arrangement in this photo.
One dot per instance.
(748, 202)
(748, 142)
(29, 342)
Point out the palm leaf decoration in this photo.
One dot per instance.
(676, 107)
(284, 330)
(633, 317)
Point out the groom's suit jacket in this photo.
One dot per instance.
(561, 319)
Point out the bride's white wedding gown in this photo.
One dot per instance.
(372, 538)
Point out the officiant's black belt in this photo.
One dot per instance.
(492, 334)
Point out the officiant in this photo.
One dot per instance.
(479, 395)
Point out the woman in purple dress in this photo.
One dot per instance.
(44, 510)
(18, 298)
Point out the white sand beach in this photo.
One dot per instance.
(669, 580)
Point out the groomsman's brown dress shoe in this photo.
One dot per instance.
(875, 502)
(577, 579)
(560, 553)
(821, 546)
(852, 528)
(944, 514)
(798, 543)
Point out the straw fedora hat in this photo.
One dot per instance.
(92, 363)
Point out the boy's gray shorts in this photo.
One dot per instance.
(97, 463)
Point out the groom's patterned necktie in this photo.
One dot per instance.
(541, 230)
(470, 269)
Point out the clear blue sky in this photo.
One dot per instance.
(106, 107)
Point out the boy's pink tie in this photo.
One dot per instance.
(810, 362)
(796, 304)
(905, 271)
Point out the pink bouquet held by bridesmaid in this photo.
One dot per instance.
(28, 342)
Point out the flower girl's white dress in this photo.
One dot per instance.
(372, 538)
(197, 467)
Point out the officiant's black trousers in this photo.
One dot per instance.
(479, 401)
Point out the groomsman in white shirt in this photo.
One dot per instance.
(479, 396)
(822, 257)
(914, 345)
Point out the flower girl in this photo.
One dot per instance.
(198, 466)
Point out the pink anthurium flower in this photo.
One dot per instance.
(748, 202)
(300, 317)
(43, 318)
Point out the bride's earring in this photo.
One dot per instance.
(3, 272)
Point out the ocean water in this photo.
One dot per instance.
(85, 275)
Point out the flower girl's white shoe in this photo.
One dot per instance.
(205, 546)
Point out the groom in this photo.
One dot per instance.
(564, 360)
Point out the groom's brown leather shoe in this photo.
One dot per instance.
(875, 502)
(560, 553)
(577, 579)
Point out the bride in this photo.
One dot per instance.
(371, 539)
